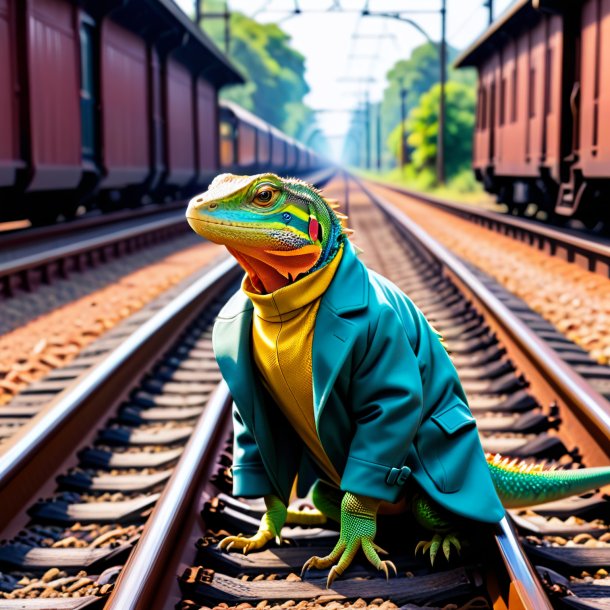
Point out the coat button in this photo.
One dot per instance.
(398, 476)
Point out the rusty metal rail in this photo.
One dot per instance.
(551, 376)
(593, 255)
(24, 272)
(592, 408)
(135, 588)
(34, 453)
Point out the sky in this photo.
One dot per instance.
(348, 55)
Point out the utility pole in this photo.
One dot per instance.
(490, 6)
(367, 130)
(440, 148)
(225, 15)
(227, 19)
(442, 51)
(378, 133)
(403, 117)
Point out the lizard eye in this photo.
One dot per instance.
(266, 196)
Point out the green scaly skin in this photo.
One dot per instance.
(519, 484)
(278, 238)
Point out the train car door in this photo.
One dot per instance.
(88, 93)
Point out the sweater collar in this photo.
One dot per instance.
(348, 293)
(286, 302)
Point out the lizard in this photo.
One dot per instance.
(290, 240)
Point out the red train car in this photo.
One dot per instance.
(249, 144)
(544, 92)
(10, 157)
(102, 102)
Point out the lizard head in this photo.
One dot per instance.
(277, 228)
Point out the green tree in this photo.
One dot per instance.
(422, 129)
(416, 75)
(274, 71)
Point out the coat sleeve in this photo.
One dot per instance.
(386, 403)
(250, 478)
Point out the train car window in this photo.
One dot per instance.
(88, 94)
(479, 111)
(548, 91)
(484, 108)
(513, 116)
(532, 94)
(502, 100)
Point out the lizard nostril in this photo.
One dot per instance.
(213, 206)
(200, 200)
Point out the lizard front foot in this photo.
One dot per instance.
(270, 528)
(343, 554)
(438, 542)
(358, 528)
(246, 543)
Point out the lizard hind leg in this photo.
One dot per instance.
(327, 502)
(432, 517)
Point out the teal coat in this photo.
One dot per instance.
(388, 403)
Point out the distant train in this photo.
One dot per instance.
(115, 103)
(542, 131)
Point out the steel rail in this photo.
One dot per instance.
(521, 572)
(135, 588)
(84, 246)
(574, 390)
(568, 384)
(534, 233)
(33, 454)
(47, 258)
(18, 237)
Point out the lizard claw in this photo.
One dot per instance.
(258, 541)
(334, 572)
(436, 543)
(383, 567)
(447, 542)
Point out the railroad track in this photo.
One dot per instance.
(164, 455)
(589, 251)
(31, 257)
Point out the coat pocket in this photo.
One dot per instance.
(454, 419)
(445, 445)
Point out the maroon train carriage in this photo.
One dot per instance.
(291, 155)
(238, 129)
(542, 132)
(113, 99)
(279, 145)
(249, 144)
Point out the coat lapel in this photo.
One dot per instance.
(334, 336)
(334, 333)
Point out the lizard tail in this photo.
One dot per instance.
(520, 484)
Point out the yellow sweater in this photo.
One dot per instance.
(282, 332)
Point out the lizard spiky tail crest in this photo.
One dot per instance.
(333, 204)
(520, 484)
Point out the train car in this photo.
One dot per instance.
(279, 145)
(113, 104)
(238, 129)
(11, 159)
(96, 105)
(249, 145)
(544, 90)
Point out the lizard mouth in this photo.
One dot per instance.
(192, 219)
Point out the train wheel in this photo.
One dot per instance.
(43, 211)
(590, 208)
(516, 209)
